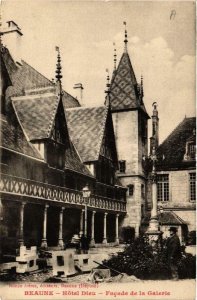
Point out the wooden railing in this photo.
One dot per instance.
(13, 185)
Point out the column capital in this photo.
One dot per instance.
(105, 213)
(62, 208)
(117, 215)
(82, 210)
(23, 203)
(94, 211)
(46, 206)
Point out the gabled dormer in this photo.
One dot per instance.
(43, 120)
(58, 140)
(190, 147)
(107, 163)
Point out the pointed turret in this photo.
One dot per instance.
(125, 93)
(125, 38)
(130, 124)
(142, 89)
(58, 72)
(107, 91)
(115, 57)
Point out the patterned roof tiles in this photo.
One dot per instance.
(36, 114)
(124, 90)
(25, 77)
(73, 162)
(86, 127)
(14, 139)
(123, 86)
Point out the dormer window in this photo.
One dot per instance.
(122, 166)
(190, 153)
(192, 150)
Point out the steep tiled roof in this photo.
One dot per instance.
(123, 86)
(124, 93)
(171, 152)
(86, 127)
(36, 114)
(13, 138)
(167, 218)
(35, 102)
(25, 77)
(73, 162)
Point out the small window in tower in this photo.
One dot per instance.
(142, 190)
(144, 129)
(130, 189)
(122, 166)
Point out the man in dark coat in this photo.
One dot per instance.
(173, 252)
(84, 244)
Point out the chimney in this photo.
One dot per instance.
(11, 38)
(78, 87)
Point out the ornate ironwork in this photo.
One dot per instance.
(13, 185)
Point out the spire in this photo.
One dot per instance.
(125, 38)
(58, 75)
(142, 88)
(0, 25)
(58, 70)
(107, 91)
(115, 56)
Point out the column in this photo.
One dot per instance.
(21, 229)
(117, 237)
(60, 239)
(105, 229)
(81, 223)
(1, 223)
(44, 236)
(92, 242)
(86, 221)
(154, 224)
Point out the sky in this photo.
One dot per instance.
(161, 46)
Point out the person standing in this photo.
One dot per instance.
(84, 244)
(173, 248)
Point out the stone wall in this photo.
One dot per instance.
(126, 134)
(131, 148)
(179, 197)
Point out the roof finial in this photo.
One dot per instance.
(142, 87)
(125, 38)
(107, 91)
(155, 111)
(0, 24)
(115, 56)
(58, 69)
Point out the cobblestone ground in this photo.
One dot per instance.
(41, 276)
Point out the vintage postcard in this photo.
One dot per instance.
(98, 150)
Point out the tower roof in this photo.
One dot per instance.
(125, 92)
(124, 86)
